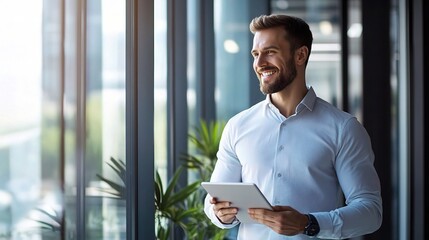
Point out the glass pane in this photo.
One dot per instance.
(105, 216)
(70, 118)
(324, 68)
(160, 93)
(160, 85)
(192, 63)
(354, 33)
(30, 76)
(232, 51)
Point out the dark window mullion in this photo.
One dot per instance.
(177, 106)
(139, 119)
(80, 118)
(344, 54)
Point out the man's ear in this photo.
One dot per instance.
(301, 55)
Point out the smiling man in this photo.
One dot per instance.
(312, 161)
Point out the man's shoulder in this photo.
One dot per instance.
(322, 105)
(253, 111)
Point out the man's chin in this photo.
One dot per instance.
(265, 91)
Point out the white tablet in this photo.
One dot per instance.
(241, 195)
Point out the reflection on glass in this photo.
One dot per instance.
(160, 85)
(30, 190)
(354, 35)
(38, 166)
(105, 120)
(232, 51)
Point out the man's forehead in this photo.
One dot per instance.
(266, 37)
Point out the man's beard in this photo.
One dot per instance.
(281, 82)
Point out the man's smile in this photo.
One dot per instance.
(266, 74)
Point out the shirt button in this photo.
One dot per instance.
(279, 175)
(281, 148)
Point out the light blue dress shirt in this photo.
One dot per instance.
(318, 161)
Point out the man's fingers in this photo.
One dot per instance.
(219, 205)
(261, 215)
(223, 212)
(259, 212)
(224, 209)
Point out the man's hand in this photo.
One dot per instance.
(282, 219)
(223, 211)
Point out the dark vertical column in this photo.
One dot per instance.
(206, 61)
(177, 115)
(176, 81)
(418, 132)
(62, 122)
(344, 54)
(376, 99)
(425, 158)
(139, 119)
(80, 118)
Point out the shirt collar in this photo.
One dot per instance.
(308, 101)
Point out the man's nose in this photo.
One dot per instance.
(260, 61)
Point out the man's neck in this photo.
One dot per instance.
(287, 100)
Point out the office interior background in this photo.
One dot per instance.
(85, 81)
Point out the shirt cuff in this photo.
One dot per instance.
(325, 224)
(210, 213)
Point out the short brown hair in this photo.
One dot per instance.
(298, 32)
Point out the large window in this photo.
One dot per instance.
(232, 51)
(104, 111)
(30, 180)
(63, 127)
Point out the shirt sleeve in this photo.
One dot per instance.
(360, 184)
(227, 169)
(208, 209)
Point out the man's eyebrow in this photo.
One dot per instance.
(266, 48)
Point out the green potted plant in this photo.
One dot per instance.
(186, 206)
(172, 206)
(181, 206)
(205, 139)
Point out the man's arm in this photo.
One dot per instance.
(360, 184)
(227, 169)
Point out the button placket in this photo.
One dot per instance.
(279, 175)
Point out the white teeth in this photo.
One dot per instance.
(265, 74)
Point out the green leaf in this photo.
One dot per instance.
(188, 213)
(55, 217)
(119, 168)
(193, 162)
(183, 193)
(49, 226)
(170, 188)
(120, 189)
(158, 190)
